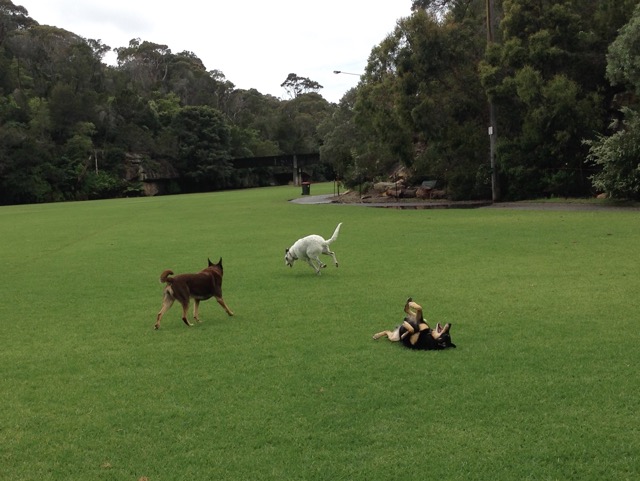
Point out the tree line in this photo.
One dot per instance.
(561, 76)
(69, 122)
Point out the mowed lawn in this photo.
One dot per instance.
(543, 385)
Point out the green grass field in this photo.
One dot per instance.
(544, 383)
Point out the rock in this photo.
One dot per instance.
(394, 192)
(422, 193)
(382, 187)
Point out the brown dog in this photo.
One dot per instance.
(201, 286)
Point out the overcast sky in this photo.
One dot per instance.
(255, 43)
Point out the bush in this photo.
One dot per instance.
(102, 185)
(618, 155)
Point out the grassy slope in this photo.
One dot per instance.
(543, 384)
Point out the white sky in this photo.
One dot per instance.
(255, 43)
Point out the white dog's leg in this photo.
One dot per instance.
(314, 267)
(333, 255)
(321, 265)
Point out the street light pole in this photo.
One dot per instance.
(495, 186)
(345, 73)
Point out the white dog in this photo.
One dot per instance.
(309, 249)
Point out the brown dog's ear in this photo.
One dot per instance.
(210, 263)
(220, 262)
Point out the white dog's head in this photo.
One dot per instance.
(289, 258)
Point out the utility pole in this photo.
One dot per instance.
(296, 171)
(495, 186)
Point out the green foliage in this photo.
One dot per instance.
(296, 85)
(40, 123)
(52, 81)
(204, 142)
(618, 154)
(619, 157)
(248, 143)
(546, 81)
(420, 92)
(165, 107)
(623, 59)
(341, 136)
(298, 123)
(103, 185)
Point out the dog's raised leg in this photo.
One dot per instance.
(167, 302)
(414, 311)
(332, 254)
(224, 305)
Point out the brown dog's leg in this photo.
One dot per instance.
(167, 302)
(185, 310)
(224, 305)
(196, 306)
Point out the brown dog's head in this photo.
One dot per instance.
(219, 264)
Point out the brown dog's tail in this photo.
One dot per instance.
(164, 277)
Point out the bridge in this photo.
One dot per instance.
(294, 162)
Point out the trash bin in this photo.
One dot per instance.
(306, 188)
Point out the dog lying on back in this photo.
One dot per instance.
(200, 286)
(415, 333)
(309, 249)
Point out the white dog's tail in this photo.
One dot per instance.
(335, 234)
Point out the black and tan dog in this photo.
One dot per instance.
(415, 333)
(200, 286)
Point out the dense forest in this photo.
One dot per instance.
(557, 81)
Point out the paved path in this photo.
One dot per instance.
(314, 199)
(328, 199)
(575, 206)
